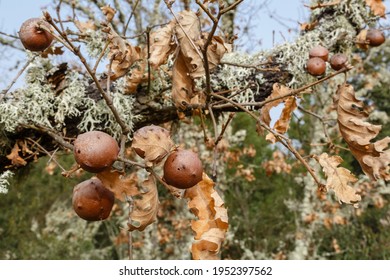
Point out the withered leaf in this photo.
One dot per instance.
(283, 123)
(338, 178)
(109, 12)
(145, 206)
(210, 228)
(182, 84)
(377, 7)
(215, 52)
(85, 26)
(15, 158)
(278, 91)
(136, 77)
(122, 54)
(188, 32)
(373, 157)
(161, 44)
(361, 39)
(152, 143)
(120, 184)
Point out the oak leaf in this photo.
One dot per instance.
(16, 159)
(152, 143)
(338, 178)
(275, 98)
(215, 52)
(145, 206)
(188, 32)
(120, 184)
(373, 157)
(122, 54)
(136, 76)
(210, 228)
(182, 84)
(282, 124)
(161, 44)
(109, 12)
(377, 7)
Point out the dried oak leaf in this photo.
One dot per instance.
(109, 12)
(182, 84)
(84, 26)
(373, 157)
(283, 123)
(278, 91)
(152, 143)
(161, 44)
(361, 41)
(145, 206)
(377, 7)
(188, 32)
(215, 52)
(119, 184)
(210, 228)
(122, 54)
(136, 77)
(15, 158)
(338, 178)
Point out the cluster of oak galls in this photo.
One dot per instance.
(318, 55)
(96, 151)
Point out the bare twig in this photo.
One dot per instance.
(130, 17)
(323, 5)
(51, 155)
(4, 91)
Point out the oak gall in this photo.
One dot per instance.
(92, 201)
(95, 151)
(183, 169)
(33, 37)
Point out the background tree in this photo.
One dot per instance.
(176, 72)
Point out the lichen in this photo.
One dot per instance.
(38, 104)
(235, 78)
(99, 116)
(95, 42)
(4, 181)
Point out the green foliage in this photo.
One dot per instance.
(37, 219)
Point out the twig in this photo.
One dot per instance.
(4, 91)
(130, 202)
(174, 191)
(52, 158)
(130, 162)
(209, 39)
(9, 35)
(130, 17)
(100, 56)
(322, 5)
(214, 170)
(225, 125)
(256, 67)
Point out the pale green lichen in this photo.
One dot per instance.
(236, 78)
(95, 42)
(4, 181)
(98, 116)
(38, 104)
(69, 101)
